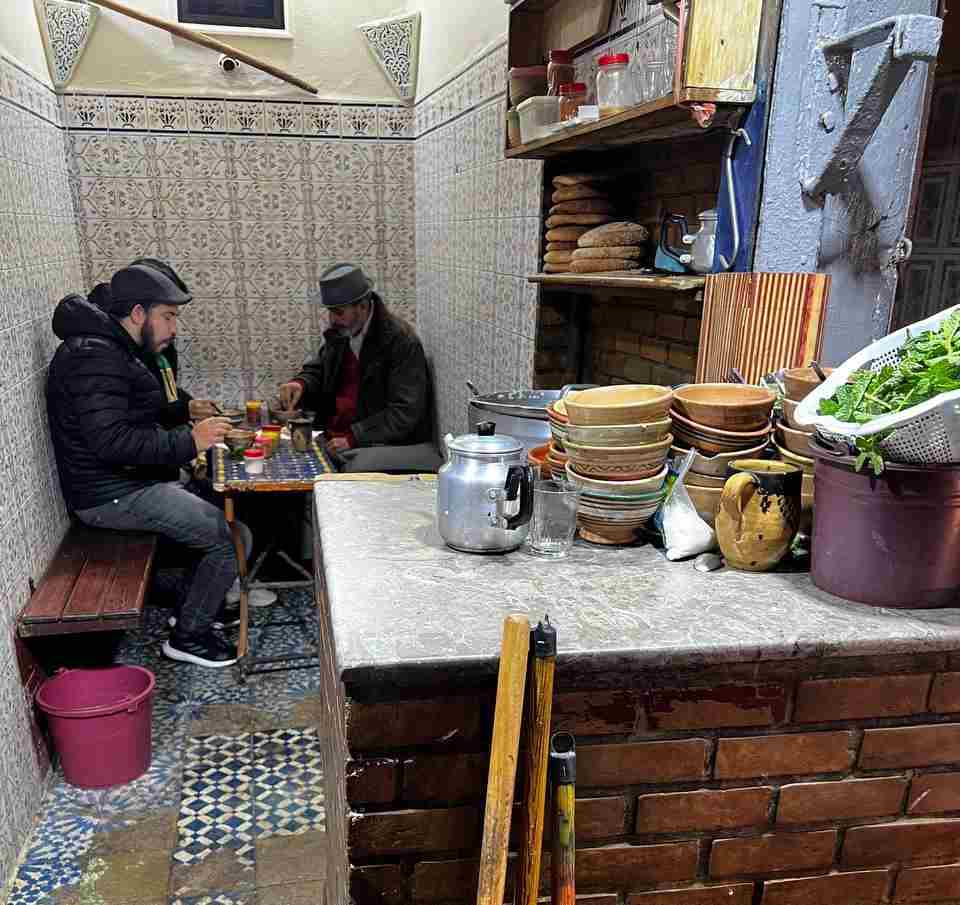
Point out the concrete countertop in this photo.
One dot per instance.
(402, 607)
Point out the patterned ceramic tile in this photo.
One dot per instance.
(321, 119)
(167, 114)
(287, 782)
(206, 115)
(245, 117)
(127, 112)
(396, 122)
(359, 121)
(86, 111)
(283, 118)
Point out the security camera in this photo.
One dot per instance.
(228, 64)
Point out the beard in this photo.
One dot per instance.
(150, 340)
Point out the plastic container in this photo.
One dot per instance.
(889, 540)
(537, 114)
(253, 461)
(614, 85)
(100, 723)
(560, 71)
(572, 96)
(527, 81)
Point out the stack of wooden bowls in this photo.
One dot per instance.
(722, 422)
(617, 440)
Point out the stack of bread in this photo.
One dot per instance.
(579, 204)
(614, 246)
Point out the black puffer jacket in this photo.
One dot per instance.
(105, 410)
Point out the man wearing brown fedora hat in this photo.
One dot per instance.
(369, 384)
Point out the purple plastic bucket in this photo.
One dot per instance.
(100, 721)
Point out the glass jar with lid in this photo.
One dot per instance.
(614, 84)
(560, 71)
(573, 95)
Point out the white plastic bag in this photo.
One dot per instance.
(684, 532)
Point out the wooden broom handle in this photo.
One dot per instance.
(504, 751)
(205, 41)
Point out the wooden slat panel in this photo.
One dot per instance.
(125, 595)
(78, 626)
(47, 603)
(95, 579)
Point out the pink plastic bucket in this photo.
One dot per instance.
(100, 722)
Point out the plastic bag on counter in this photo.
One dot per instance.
(684, 533)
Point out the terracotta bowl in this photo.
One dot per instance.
(789, 413)
(725, 406)
(238, 441)
(800, 382)
(607, 534)
(621, 435)
(599, 487)
(706, 500)
(626, 463)
(557, 411)
(710, 440)
(802, 462)
(627, 404)
(693, 479)
(796, 441)
(716, 465)
(235, 416)
(538, 458)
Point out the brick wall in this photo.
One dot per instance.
(835, 781)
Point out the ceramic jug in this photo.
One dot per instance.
(759, 513)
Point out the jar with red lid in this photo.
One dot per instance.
(573, 95)
(614, 84)
(253, 461)
(560, 71)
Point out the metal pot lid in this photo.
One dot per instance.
(519, 403)
(485, 440)
(708, 215)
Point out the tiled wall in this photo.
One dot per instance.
(249, 201)
(39, 261)
(478, 233)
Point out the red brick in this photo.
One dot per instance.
(670, 326)
(628, 343)
(691, 330)
(632, 866)
(654, 350)
(702, 810)
(596, 712)
(738, 894)
(599, 766)
(861, 888)
(395, 832)
(945, 695)
(375, 727)
(912, 841)
(720, 706)
(644, 322)
(637, 369)
(929, 885)
(596, 818)
(934, 793)
(784, 755)
(376, 884)
(371, 781)
(771, 854)
(913, 746)
(452, 881)
(826, 802)
(442, 777)
(824, 700)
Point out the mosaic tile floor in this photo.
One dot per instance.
(230, 811)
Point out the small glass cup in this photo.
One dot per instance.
(253, 408)
(554, 520)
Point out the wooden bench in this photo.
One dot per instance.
(97, 582)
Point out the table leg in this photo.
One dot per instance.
(230, 514)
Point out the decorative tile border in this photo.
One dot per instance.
(25, 90)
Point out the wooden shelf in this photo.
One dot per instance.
(622, 280)
(655, 121)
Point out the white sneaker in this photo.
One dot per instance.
(259, 597)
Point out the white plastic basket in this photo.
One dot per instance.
(924, 434)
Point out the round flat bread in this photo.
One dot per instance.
(583, 206)
(601, 265)
(556, 268)
(561, 246)
(573, 192)
(613, 251)
(566, 233)
(580, 220)
(619, 232)
(558, 257)
(568, 179)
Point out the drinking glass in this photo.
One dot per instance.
(554, 520)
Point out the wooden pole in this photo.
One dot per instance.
(543, 650)
(229, 513)
(504, 752)
(563, 768)
(206, 41)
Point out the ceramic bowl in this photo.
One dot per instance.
(716, 466)
(789, 414)
(238, 441)
(800, 382)
(283, 416)
(803, 462)
(796, 441)
(706, 500)
(626, 404)
(608, 535)
(692, 479)
(622, 435)
(619, 462)
(725, 406)
(712, 440)
(235, 416)
(598, 487)
(538, 458)
(557, 411)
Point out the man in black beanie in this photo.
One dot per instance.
(114, 456)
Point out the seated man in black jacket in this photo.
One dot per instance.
(369, 384)
(115, 458)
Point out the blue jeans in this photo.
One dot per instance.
(172, 511)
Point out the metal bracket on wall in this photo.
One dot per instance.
(857, 77)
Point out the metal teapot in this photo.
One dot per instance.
(484, 492)
(703, 243)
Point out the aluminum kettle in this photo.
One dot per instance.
(484, 492)
(702, 243)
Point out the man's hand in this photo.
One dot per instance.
(209, 432)
(203, 408)
(338, 444)
(290, 394)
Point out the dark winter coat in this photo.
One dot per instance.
(395, 407)
(105, 407)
